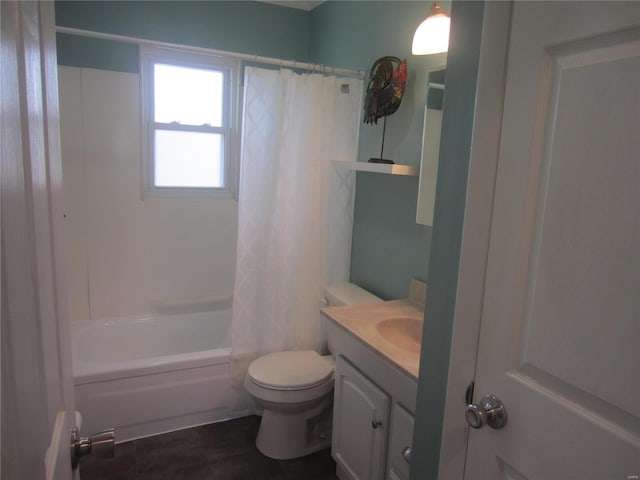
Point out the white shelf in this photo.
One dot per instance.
(390, 169)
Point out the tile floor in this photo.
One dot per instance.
(219, 451)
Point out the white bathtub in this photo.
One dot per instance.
(152, 374)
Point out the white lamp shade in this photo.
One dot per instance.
(432, 36)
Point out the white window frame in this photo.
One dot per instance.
(229, 66)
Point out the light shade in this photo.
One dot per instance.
(432, 35)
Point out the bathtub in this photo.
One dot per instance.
(151, 374)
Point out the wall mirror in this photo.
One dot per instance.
(430, 145)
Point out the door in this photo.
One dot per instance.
(560, 327)
(37, 395)
(400, 439)
(360, 424)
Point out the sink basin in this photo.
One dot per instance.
(403, 332)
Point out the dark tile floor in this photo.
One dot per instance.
(219, 451)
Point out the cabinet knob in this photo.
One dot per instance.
(406, 454)
(376, 423)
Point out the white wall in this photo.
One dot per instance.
(128, 255)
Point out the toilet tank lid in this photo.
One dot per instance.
(348, 294)
(290, 370)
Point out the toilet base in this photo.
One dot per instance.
(283, 436)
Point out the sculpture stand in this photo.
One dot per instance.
(382, 159)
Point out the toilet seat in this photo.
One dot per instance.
(291, 370)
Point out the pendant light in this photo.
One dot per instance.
(432, 35)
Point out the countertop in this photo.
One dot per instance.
(362, 320)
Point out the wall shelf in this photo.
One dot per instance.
(390, 169)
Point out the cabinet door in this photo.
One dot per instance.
(360, 424)
(400, 439)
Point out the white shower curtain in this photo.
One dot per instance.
(295, 211)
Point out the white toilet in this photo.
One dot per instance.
(295, 391)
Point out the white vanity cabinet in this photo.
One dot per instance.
(360, 423)
(375, 392)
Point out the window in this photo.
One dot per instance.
(189, 122)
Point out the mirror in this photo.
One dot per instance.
(430, 146)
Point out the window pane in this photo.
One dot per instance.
(190, 96)
(188, 159)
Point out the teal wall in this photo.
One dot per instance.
(238, 26)
(353, 34)
(75, 51)
(389, 247)
(455, 147)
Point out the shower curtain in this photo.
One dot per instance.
(295, 211)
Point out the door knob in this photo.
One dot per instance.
(490, 411)
(101, 444)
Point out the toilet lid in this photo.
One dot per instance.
(290, 370)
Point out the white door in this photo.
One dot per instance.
(37, 395)
(560, 328)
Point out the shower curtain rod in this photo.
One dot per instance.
(242, 56)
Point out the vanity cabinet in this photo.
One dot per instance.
(360, 424)
(375, 391)
(370, 429)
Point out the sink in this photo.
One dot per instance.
(403, 332)
(393, 329)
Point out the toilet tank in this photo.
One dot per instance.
(347, 294)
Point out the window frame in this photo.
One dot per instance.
(229, 66)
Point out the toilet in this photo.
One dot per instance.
(294, 389)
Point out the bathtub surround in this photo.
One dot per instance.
(129, 256)
(295, 210)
